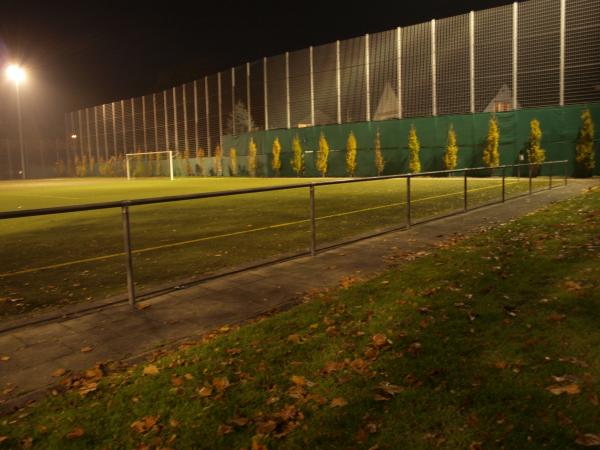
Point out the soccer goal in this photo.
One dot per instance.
(149, 164)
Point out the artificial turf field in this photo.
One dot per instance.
(78, 257)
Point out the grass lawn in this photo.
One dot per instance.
(492, 342)
(77, 257)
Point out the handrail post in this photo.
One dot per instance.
(313, 222)
(465, 207)
(530, 179)
(128, 257)
(503, 184)
(408, 211)
(566, 164)
(550, 168)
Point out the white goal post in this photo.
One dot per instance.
(129, 156)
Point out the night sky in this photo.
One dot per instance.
(86, 53)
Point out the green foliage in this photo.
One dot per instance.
(252, 157)
(351, 154)
(200, 161)
(297, 156)
(536, 153)
(584, 149)
(276, 160)
(491, 152)
(379, 161)
(233, 166)
(451, 155)
(414, 147)
(322, 155)
(218, 161)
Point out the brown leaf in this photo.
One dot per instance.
(145, 424)
(588, 440)
(389, 389)
(239, 421)
(86, 349)
(371, 352)
(205, 391)
(359, 365)
(224, 429)
(221, 384)
(298, 380)
(4, 358)
(379, 340)
(87, 387)
(188, 376)
(176, 381)
(555, 317)
(569, 389)
(573, 285)
(76, 433)
(59, 372)
(333, 366)
(501, 365)
(415, 348)
(331, 331)
(150, 369)
(295, 338)
(338, 402)
(94, 373)
(3, 438)
(143, 306)
(475, 446)
(266, 427)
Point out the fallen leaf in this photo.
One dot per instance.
(266, 427)
(87, 388)
(145, 424)
(388, 388)
(76, 433)
(221, 384)
(143, 306)
(205, 391)
(59, 372)
(570, 389)
(298, 380)
(86, 349)
(150, 369)
(3, 438)
(379, 340)
(295, 338)
(224, 429)
(188, 376)
(239, 421)
(555, 317)
(4, 358)
(501, 365)
(338, 402)
(588, 440)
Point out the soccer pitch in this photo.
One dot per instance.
(78, 257)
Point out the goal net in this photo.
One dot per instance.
(149, 164)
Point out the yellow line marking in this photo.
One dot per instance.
(236, 233)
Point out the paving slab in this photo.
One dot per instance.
(116, 332)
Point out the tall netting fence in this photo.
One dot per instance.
(531, 54)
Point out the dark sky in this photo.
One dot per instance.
(91, 52)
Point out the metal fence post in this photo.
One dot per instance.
(503, 184)
(550, 177)
(313, 222)
(530, 179)
(128, 258)
(408, 211)
(465, 207)
(566, 170)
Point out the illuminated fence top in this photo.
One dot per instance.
(530, 54)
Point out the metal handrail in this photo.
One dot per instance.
(125, 204)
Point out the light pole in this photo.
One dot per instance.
(17, 74)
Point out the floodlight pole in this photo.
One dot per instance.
(20, 120)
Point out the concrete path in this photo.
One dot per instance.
(117, 332)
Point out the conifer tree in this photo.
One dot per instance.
(322, 155)
(218, 161)
(200, 161)
(414, 147)
(379, 161)
(584, 149)
(536, 153)
(351, 154)
(451, 155)
(252, 157)
(276, 152)
(233, 167)
(297, 156)
(491, 153)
